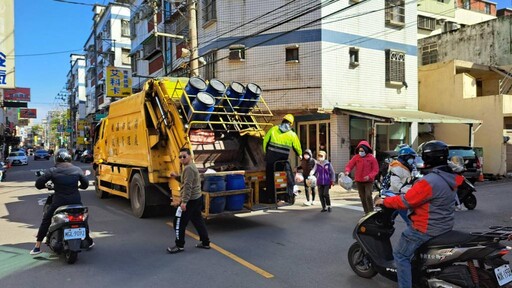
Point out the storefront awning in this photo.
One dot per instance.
(403, 115)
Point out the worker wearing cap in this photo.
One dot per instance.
(277, 144)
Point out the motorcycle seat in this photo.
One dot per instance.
(73, 208)
(451, 238)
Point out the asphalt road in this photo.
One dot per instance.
(290, 247)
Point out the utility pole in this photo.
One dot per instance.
(192, 26)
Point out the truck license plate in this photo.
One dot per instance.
(503, 274)
(76, 233)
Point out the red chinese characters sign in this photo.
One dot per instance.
(17, 94)
(28, 113)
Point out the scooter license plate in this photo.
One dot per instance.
(503, 274)
(75, 233)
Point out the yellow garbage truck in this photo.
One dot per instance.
(136, 147)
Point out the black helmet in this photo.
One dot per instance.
(62, 155)
(434, 153)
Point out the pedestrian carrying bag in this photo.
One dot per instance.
(345, 181)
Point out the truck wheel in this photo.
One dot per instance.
(138, 197)
(100, 193)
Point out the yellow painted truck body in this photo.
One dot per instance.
(137, 145)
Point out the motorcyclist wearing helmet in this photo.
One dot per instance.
(277, 144)
(400, 171)
(431, 203)
(65, 177)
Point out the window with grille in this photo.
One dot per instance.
(211, 65)
(125, 28)
(354, 56)
(209, 10)
(429, 54)
(466, 4)
(395, 12)
(292, 54)
(426, 23)
(395, 66)
(125, 56)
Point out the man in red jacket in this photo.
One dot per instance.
(366, 169)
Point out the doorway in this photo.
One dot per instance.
(315, 135)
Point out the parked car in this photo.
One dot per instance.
(17, 158)
(473, 167)
(86, 156)
(41, 154)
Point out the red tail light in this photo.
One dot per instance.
(76, 218)
(504, 252)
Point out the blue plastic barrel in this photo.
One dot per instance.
(194, 86)
(216, 89)
(251, 97)
(214, 184)
(203, 102)
(235, 92)
(235, 182)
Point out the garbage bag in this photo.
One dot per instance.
(299, 178)
(311, 181)
(345, 181)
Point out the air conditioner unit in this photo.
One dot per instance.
(440, 21)
(235, 55)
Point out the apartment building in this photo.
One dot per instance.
(436, 17)
(76, 97)
(107, 49)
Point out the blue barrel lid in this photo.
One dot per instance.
(197, 83)
(254, 88)
(206, 98)
(218, 85)
(237, 87)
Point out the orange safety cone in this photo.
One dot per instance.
(481, 177)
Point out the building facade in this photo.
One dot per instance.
(76, 98)
(436, 17)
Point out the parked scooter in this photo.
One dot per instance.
(68, 230)
(453, 259)
(3, 171)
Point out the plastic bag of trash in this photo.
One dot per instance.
(296, 190)
(311, 181)
(345, 181)
(299, 178)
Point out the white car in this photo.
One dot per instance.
(17, 158)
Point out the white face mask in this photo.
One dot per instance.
(306, 156)
(410, 161)
(321, 158)
(362, 154)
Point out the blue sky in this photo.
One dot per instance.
(51, 27)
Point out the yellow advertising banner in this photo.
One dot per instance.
(118, 82)
(23, 122)
(81, 125)
(80, 140)
(7, 44)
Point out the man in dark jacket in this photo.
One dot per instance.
(65, 177)
(431, 202)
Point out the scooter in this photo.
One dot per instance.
(465, 194)
(68, 230)
(453, 259)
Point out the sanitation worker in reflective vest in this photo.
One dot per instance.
(277, 144)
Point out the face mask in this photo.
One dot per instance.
(410, 161)
(306, 157)
(321, 158)
(362, 154)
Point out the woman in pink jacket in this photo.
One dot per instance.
(366, 169)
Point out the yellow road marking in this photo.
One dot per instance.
(232, 256)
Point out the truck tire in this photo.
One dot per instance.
(138, 197)
(100, 193)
